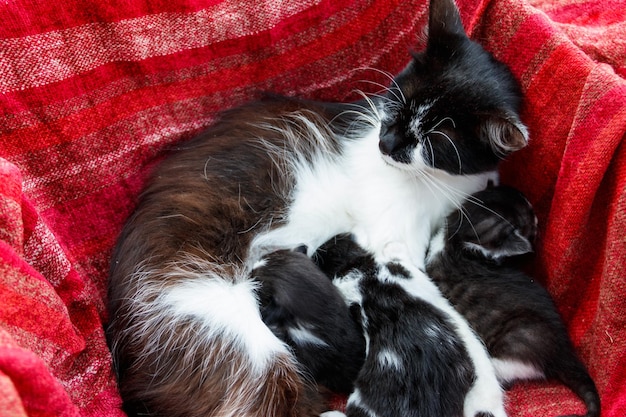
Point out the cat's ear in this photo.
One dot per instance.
(505, 134)
(444, 25)
(515, 244)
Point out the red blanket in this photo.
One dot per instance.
(91, 93)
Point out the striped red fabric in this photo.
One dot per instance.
(92, 93)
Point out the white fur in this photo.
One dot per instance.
(486, 393)
(437, 244)
(389, 359)
(355, 399)
(333, 413)
(259, 264)
(224, 309)
(372, 196)
(303, 336)
(382, 202)
(509, 370)
(348, 286)
(417, 123)
(395, 202)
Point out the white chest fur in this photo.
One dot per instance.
(379, 201)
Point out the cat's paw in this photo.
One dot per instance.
(332, 414)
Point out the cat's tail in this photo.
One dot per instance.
(572, 373)
(191, 342)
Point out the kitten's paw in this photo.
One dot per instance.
(332, 414)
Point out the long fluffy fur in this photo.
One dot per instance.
(275, 175)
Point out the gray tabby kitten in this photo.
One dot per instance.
(473, 261)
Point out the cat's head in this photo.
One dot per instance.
(454, 107)
(495, 223)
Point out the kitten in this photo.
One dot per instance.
(303, 308)
(471, 262)
(186, 331)
(419, 361)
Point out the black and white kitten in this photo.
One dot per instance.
(186, 330)
(420, 352)
(304, 309)
(471, 260)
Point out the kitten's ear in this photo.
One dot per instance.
(444, 23)
(505, 134)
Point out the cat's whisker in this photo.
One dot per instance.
(386, 101)
(456, 150)
(395, 90)
(452, 194)
(393, 80)
(439, 123)
(480, 203)
(372, 109)
(442, 187)
(435, 187)
(363, 115)
(462, 214)
(432, 151)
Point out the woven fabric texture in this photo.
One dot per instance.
(92, 93)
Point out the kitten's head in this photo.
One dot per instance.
(454, 107)
(495, 223)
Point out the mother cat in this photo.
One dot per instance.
(185, 331)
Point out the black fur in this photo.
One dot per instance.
(512, 313)
(296, 296)
(469, 102)
(429, 372)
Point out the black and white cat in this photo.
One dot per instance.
(186, 331)
(422, 357)
(472, 261)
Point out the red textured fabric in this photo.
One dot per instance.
(92, 92)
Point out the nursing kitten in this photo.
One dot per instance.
(186, 330)
(470, 261)
(304, 309)
(418, 362)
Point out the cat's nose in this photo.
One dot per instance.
(389, 140)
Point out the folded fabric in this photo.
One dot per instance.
(93, 93)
